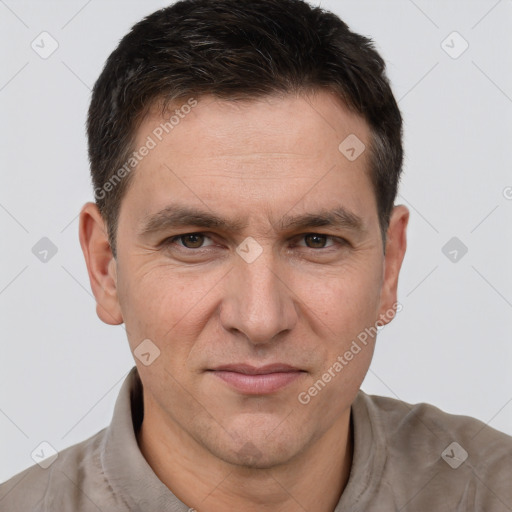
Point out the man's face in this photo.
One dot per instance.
(311, 290)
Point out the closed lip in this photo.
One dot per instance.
(248, 369)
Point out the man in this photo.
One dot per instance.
(245, 156)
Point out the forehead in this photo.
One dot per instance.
(274, 123)
(248, 155)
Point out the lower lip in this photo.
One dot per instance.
(257, 384)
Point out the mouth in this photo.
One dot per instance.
(253, 380)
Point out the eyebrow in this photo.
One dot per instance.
(179, 216)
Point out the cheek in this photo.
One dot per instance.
(163, 303)
(348, 300)
(349, 310)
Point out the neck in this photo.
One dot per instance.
(312, 480)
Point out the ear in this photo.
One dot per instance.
(396, 244)
(101, 264)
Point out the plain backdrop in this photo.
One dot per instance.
(61, 368)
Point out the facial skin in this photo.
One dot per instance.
(301, 302)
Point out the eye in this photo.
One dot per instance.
(317, 240)
(189, 240)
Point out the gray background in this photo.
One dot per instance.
(61, 368)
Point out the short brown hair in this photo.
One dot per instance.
(237, 49)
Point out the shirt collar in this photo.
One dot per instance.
(369, 456)
(126, 469)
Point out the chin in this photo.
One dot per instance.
(259, 453)
(254, 441)
(250, 457)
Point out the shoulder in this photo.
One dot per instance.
(456, 457)
(73, 481)
(402, 420)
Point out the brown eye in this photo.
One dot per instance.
(315, 240)
(188, 243)
(192, 241)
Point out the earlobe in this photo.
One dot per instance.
(101, 264)
(396, 245)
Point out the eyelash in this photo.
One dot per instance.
(336, 241)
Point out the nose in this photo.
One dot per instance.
(257, 301)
